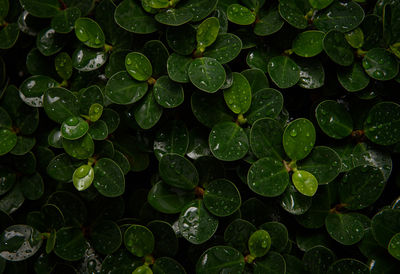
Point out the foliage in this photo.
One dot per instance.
(199, 136)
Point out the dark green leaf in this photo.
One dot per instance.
(174, 17)
(299, 139)
(70, 244)
(221, 197)
(168, 93)
(88, 59)
(207, 74)
(344, 228)
(353, 78)
(64, 21)
(380, 64)
(337, 48)
(259, 243)
(283, 71)
(109, 179)
(138, 66)
(269, 23)
(89, 32)
(318, 259)
(9, 36)
(81, 148)
(39, 8)
(148, 111)
(220, 259)
(308, 43)
(238, 96)
(226, 47)
(177, 171)
(122, 89)
(106, 237)
(272, 263)
(294, 12)
(33, 88)
(171, 138)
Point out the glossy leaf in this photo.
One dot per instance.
(122, 89)
(337, 48)
(273, 262)
(88, 59)
(167, 199)
(83, 177)
(148, 111)
(269, 23)
(348, 265)
(221, 197)
(89, 32)
(32, 89)
(353, 78)
(81, 148)
(266, 139)
(177, 66)
(220, 258)
(305, 182)
(268, 177)
(70, 244)
(168, 93)
(106, 237)
(173, 137)
(344, 228)
(380, 64)
(238, 96)
(294, 12)
(74, 128)
(138, 66)
(240, 15)
(283, 71)
(226, 47)
(108, 179)
(299, 139)
(60, 104)
(174, 17)
(177, 171)
(308, 43)
(206, 74)
(320, 4)
(45, 9)
(259, 243)
(228, 141)
(207, 33)
(64, 21)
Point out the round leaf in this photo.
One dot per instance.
(240, 15)
(334, 119)
(294, 202)
(139, 240)
(63, 64)
(207, 32)
(196, 224)
(361, 187)
(148, 111)
(238, 96)
(320, 4)
(106, 237)
(173, 137)
(60, 104)
(278, 233)
(305, 182)
(317, 259)
(348, 266)
(269, 23)
(353, 78)
(266, 139)
(344, 228)
(337, 48)
(272, 263)
(174, 17)
(39, 8)
(64, 21)
(207, 74)
(89, 32)
(259, 243)
(83, 177)
(81, 148)
(308, 43)
(228, 141)
(220, 259)
(226, 47)
(168, 93)
(268, 177)
(380, 64)
(32, 89)
(19, 242)
(109, 179)
(8, 140)
(177, 171)
(283, 71)
(122, 89)
(48, 42)
(266, 102)
(130, 16)
(294, 12)
(88, 59)
(138, 66)
(299, 139)
(177, 66)
(221, 197)
(70, 244)
(74, 128)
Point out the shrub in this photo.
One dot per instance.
(199, 136)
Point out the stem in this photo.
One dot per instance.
(288, 52)
(199, 192)
(241, 120)
(64, 83)
(361, 53)
(249, 258)
(107, 48)
(287, 166)
(151, 81)
(149, 259)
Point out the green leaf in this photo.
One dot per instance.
(167, 265)
(337, 48)
(181, 39)
(361, 187)
(60, 104)
(157, 53)
(88, 59)
(19, 242)
(106, 237)
(393, 247)
(269, 23)
(348, 266)
(24, 145)
(259, 243)
(209, 109)
(294, 202)
(312, 74)
(130, 16)
(165, 239)
(98, 130)
(226, 48)
(177, 66)
(89, 32)
(174, 17)
(320, 4)
(353, 78)
(74, 128)
(308, 43)
(200, 8)
(272, 263)
(238, 96)
(48, 42)
(32, 186)
(266, 102)
(148, 111)
(266, 139)
(278, 233)
(344, 228)
(299, 138)
(95, 112)
(51, 242)
(8, 179)
(122, 89)
(196, 224)
(305, 182)
(81, 148)
(323, 162)
(108, 179)
(380, 64)
(173, 137)
(228, 141)
(8, 140)
(32, 89)
(334, 119)
(220, 259)
(138, 66)
(237, 234)
(168, 93)
(111, 118)
(64, 21)
(294, 12)
(42, 9)
(4, 8)
(177, 171)
(257, 80)
(355, 38)
(268, 177)
(70, 244)
(339, 16)
(240, 15)
(9, 36)
(83, 177)
(168, 199)
(63, 64)
(317, 259)
(385, 225)
(207, 33)
(221, 197)
(283, 71)
(382, 123)
(207, 74)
